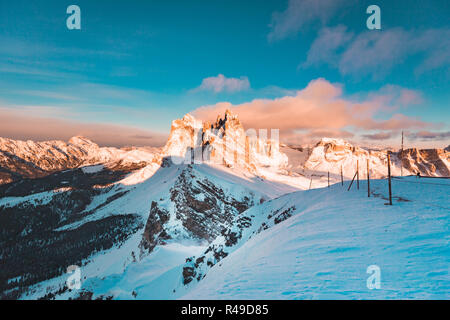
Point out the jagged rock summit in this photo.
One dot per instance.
(223, 142)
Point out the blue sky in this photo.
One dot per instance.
(136, 65)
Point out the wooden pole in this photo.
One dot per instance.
(342, 177)
(401, 158)
(310, 183)
(328, 179)
(389, 178)
(357, 173)
(352, 182)
(368, 179)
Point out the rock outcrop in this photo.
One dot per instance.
(223, 142)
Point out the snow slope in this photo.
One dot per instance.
(324, 249)
(136, 193)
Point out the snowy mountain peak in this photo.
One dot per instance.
(81, 141)
(223, 142)
(29, 159)
(337, 141)
(336, 155)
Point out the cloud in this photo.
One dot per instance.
(47, 94)
(374, 52)
(300, 13)
(222, 83)
(428, 135)
(377, 53)
(325, 47)
(321, 105)
(378, 136)
(15, 124)
(409, 97)
(395, 96)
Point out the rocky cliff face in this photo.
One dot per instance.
(223, 142)
(197, 207)
(240, 229)
(332, 155)
(430, 162)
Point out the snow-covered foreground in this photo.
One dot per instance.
(323, 251)
(152, 278)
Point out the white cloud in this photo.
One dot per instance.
(299, 13)
(224, 84)
(325, 47)
(377, 53)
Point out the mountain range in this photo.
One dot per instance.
(153, 222)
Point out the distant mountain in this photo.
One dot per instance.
(332, 155)
(29, 159)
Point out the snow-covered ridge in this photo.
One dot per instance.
(29, 159)
(224, 142)
(334, 155)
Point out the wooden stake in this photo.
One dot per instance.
(310, 183)
(368, 179)
(357, 173)
(389, 178)
(401, 158)
(342, 177)
(352, 181)
(328, 179)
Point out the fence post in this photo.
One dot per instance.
(352, 182)
(389, 178)
(368, 179)
(328, 179)
(342, 176)
(310, 183)
(357, 173)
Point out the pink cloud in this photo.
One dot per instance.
(320, 106)
(15, 124)
(378, 136)
(409, 97)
